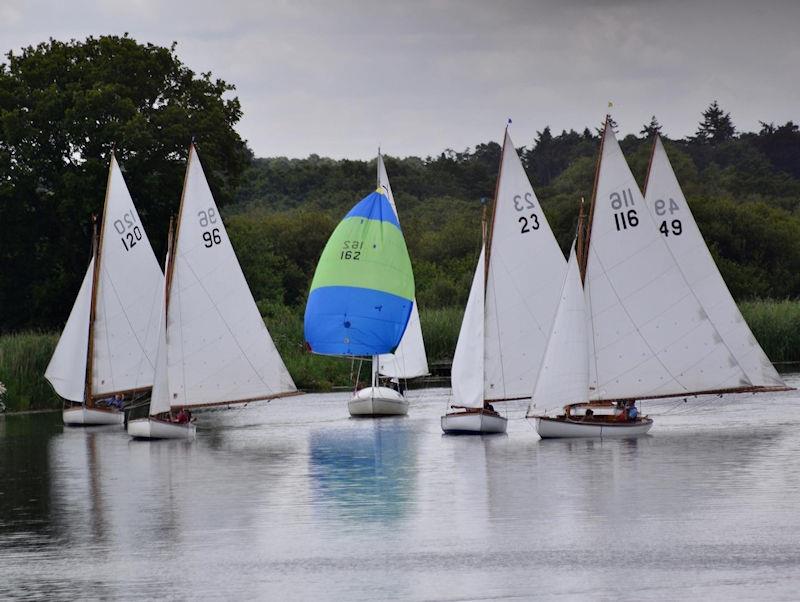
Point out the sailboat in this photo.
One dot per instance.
(409, 359)
(362, 297)
(107, 348)
(511, 306)
(214, 348)
(652, 333)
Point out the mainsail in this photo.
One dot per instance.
(409, 360)
(362, 293)
(564, 372)
(112, 330)
(667, 204)
(467, 370)
(525, 273)
(650, 333)
(218, 347)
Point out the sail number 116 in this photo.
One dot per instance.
(627, 218)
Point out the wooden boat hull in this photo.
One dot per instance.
(83, 416)
(473, 423)
(148, 428)
(378, 401)
(553, 428)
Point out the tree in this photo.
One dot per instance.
(651, 129)
(611, 122)
(63, 107)
(716, 127)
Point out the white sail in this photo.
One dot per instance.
(650, 335)
(467, 370)
(66, 371)
(129, 287)
(526, 271)
(666, 202)
(219, 349)
(409, 359)
(159, 399)
(564, 373)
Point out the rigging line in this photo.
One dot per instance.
(227, 326)
(499, 344)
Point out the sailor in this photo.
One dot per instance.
(633, 413)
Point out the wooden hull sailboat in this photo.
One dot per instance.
(512, 300)
(213, 346)
(564, 427)
(107, 347)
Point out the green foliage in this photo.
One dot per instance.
(23, 360)
(776, 325)
(63, 107)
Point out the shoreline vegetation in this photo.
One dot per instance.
(25, 355)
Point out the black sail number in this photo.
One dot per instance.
(130, 233)
(529, 223)
(211, 238)
(207, 218)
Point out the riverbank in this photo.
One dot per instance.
(24, 356)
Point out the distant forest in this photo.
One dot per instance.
(65, 105)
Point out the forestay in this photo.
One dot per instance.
(650, 335)
(665, 200)
(129, 286)
(66, 371)
(564, 373)
(525, 274)
(467, 369)
(218, 348)
(363, 289)
(409, 360)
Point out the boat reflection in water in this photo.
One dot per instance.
(366, 471)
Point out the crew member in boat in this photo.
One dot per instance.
(183, 416)
(489, 407)
(633, 412)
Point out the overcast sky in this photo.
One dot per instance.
(338, 78)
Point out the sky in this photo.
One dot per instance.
(340, 78)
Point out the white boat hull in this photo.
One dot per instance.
(378, 401)
(553, 428)
(473, 423)
(83, 416)
(147, 428)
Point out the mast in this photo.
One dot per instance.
(585, 253)
(488, 236)
(579, 250)
(98, 253)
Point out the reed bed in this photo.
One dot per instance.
(24, 356)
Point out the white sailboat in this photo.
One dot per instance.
(408, 361)
(108, 346)
(650, 332)
(511, 306)
(214, 348)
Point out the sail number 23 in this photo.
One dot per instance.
(525, 203)
(207, 218)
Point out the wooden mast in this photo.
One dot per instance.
(490, 234)
(587, 241)
(98, 254)
(579, 250)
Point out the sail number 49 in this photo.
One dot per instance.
(525, 203)
(627, 218)
(207, 218)
(668, 227)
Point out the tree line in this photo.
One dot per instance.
(65, 105)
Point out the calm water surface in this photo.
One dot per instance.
(295, 500)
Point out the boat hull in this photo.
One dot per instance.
(473, 423)
(553, 428)
(147, 428)
(378, 401)
(83, 416)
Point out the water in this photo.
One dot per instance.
(294, 500)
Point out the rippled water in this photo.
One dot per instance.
(294, 500)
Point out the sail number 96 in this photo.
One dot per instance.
(524, 202)
(207, 218)
(129, 232)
